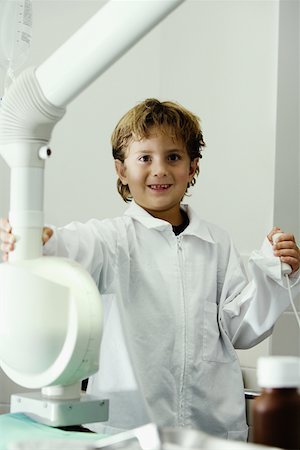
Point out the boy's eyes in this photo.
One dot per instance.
(170, 157)
(144, 158)
(174, 157)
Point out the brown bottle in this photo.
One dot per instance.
(276, 412)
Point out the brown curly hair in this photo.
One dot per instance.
(171, 117)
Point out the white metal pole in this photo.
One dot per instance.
(117, 26)
(26, 211)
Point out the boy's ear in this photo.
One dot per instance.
(193, 167)
(121, 171)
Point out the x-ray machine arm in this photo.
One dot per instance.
(39, 347)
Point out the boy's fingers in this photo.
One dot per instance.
(272, 232)
(285, 245)
(5, 257)
(293, 253)
(283, 239)
(7, 238)
(293, 262)
(5, 248)
(286, 237)
(3, 236)
(5, 225)
(47, 233)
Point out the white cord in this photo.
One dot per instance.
(291, 299)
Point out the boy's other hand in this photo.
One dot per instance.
(47, 233)
(8, 240)
(286, 248)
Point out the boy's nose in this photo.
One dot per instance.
(159, 169)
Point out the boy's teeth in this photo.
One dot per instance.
(159, 186)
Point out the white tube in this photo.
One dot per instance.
(27, 185)
(26, 211)
(26, 123)
(116, 27)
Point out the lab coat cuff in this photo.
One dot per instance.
(274, 262)
(294, 278)
(265, 260)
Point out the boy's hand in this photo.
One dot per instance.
(47, 233)
(286, 248)
(8, 240)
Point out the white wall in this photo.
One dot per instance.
(224, 68)
(223, 60)
(286, 336)
(287, 174)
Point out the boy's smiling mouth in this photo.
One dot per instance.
(159, 187)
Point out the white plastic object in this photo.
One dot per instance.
(278, 371)
(44, 152)
(66, 392)
(50, 322)
(117, 26)
(15, 34)
(285, 268)
(60, 413)
(148, 438)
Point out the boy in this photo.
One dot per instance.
(178, 281)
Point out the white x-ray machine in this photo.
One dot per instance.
(50, 308)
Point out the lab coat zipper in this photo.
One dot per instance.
(181, 412)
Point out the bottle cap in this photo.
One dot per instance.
(278, 371)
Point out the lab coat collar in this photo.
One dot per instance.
(196, 227)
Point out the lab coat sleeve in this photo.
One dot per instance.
(92, 244)
(248, 311)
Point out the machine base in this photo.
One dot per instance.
(60, 413)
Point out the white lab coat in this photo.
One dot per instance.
(185, 303)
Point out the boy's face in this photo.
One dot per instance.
(157, 171)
